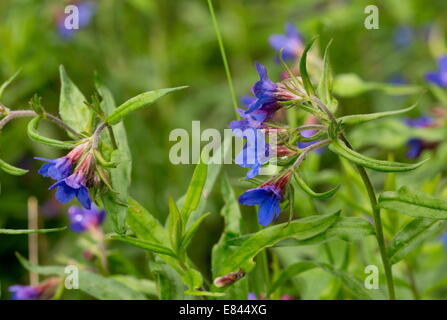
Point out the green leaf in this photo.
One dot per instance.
(145, 286)
(340, 148)
(191, 232)
(354, 285)
(204, 293)
(419, 205)
(33, 125)
(146, 227)
(346, 228)
(362, 118)
(351, 85)
(169, 284)
(120, 176)
(8, 82)
(324, 88)
(411, 236)
(303, 69)
(303, 185)
(175, 225)
(147, 245)
(72, 109)
(28, 231)
(11, 169)
(91, 283)
(192, 278)
(301, 229)
(213, 171)
(194, 192)
(140, 101)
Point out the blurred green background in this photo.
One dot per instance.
(140, 45)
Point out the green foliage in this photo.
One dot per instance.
(29, 231)
(71, 105)
(417, 205)
(142, 100)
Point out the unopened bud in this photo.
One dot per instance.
(229, 278)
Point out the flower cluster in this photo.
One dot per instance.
(257, 127)
(71, 183)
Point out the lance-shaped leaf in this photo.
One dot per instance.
(346, 228)
(175, 224)
(299, 229)
(192, 278)
(140, 101)
(8, 82)
(340, 148)
(147, 245)
(324, 88)
(33, 126)
(350, 85)
(11, 169)
(91, 283)
(361, 118)
(303, 69)
(194, 192)
(354, 285)
(191, 232)
(71, 105)
(303, 185)
(120, 175)
(411, 236)
(414, 204)
(147, 227)
(29, 231)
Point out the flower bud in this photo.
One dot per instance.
(229, 278)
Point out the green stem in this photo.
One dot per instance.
(378, 225)
(224, 57)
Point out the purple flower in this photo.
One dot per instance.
(75, 185)
(25, 292)
(291, 42)
(264, 90)
(308, 134)
(86, 11)
(420, 122)
(443, 239)
(83, 219)
(439, 77)
(60, 168)
(252, 296)
(255, 152)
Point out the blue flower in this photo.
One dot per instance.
(60, 168)
(255, 152)
(268, 197)
(73, 186)
(264, 90)
(443, 239)
(420, 122)
(56, 169)
(439, 77)
(415, 147)
(291, 42)
(25, 292)
(82, 219)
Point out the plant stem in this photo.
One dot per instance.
(378, 225)
(29, 113)
(224, 57)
